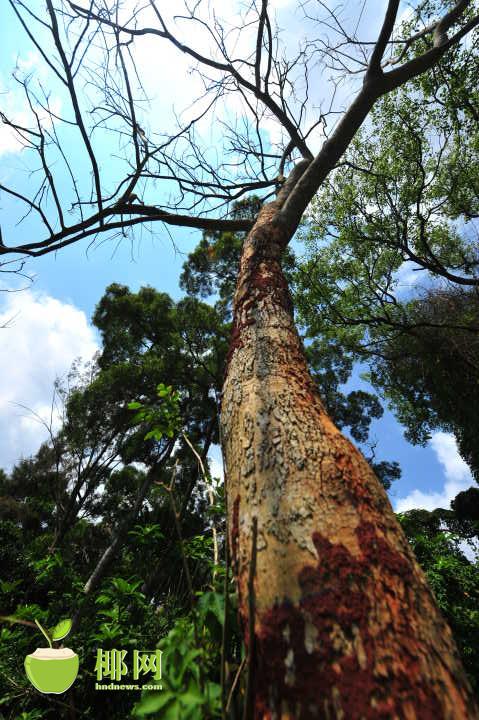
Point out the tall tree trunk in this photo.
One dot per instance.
(338, 618)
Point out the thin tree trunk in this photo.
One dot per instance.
(70, 514)
(125, 526)
(119, 537)
(150, 584)
(344, 624)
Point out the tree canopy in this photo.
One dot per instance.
(391, 269)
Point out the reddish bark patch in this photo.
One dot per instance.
(377, 551)
(335, 669)
(266, 279)
(352, 469)
(236, 342)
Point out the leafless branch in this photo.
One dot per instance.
(177, 177)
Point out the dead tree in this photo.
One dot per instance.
(337, 617)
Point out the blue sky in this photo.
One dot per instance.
(48, 323)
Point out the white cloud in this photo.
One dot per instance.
(457, 477)
(445, 447)
(40, 342)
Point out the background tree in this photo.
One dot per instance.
(439, 539)
(162, 542)
(429, 372)
(392, 260)
(291, 474)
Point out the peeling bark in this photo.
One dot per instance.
(345, 625)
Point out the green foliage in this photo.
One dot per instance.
(191, 659)
(48, 569)
(212, 267)
(429, 373)
(60, 509)
(453, 578)
(331, 368)
(392, 261)
(146, 534)
(118, 603)
(466, 508)
(163, 419)
(186, 693)
(197, 547)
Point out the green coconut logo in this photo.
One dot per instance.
(52, 670)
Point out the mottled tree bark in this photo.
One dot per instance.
(341, 623)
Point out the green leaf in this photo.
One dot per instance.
(214, 603)
(174, 711)
(152, 703)
(7, 587)
(61, 630)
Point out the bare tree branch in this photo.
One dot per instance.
(270, 86)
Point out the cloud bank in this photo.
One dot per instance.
(457, 477)
(40, 337)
